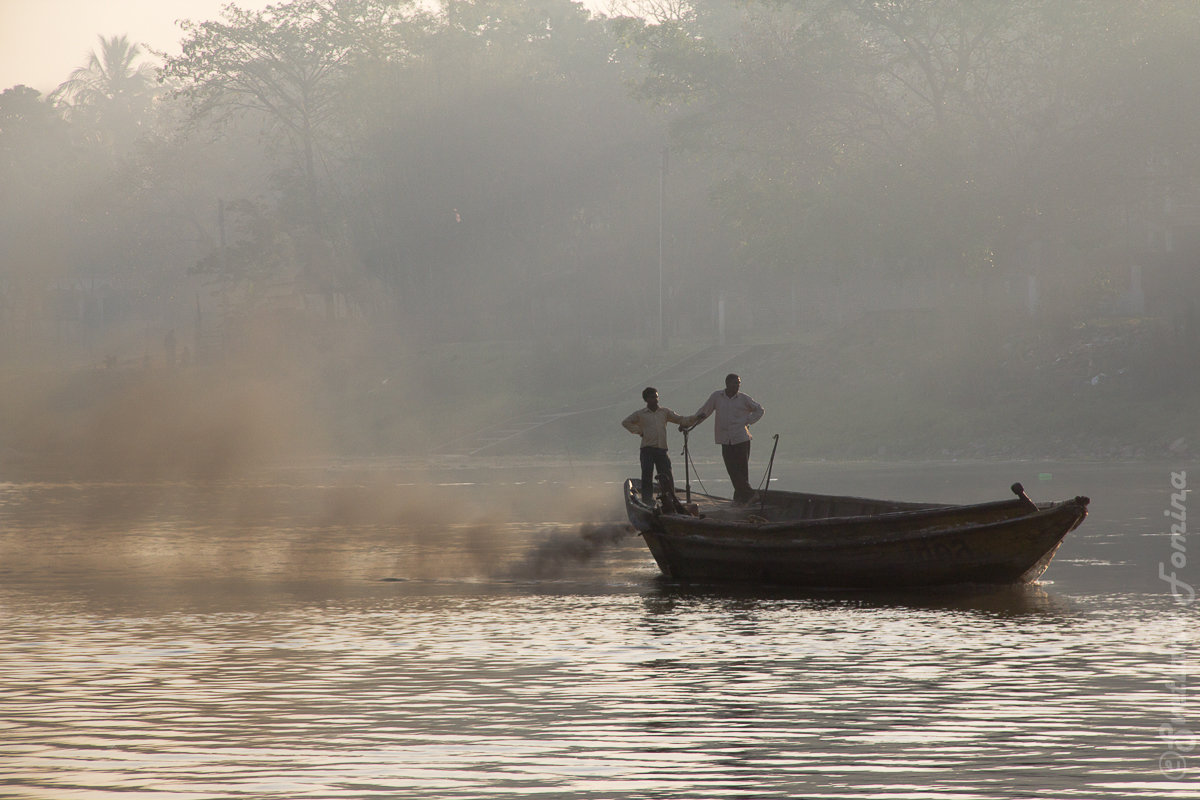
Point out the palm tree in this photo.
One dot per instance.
(110, 94)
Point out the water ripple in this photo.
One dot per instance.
(579, 697)
(238, 655)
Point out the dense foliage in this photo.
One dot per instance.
(494, 169)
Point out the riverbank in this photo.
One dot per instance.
(904, 386)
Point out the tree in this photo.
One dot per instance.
(508, 155)
(288, 64)
(38, 167)
(32, 135)
(111, 95)
(924, 131)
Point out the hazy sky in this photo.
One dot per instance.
(41, 41)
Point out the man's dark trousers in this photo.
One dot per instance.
(737, 464)
(653, 458)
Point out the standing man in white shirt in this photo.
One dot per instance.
(736, 412)
(651, 424)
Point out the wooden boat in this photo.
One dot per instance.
(829, 541)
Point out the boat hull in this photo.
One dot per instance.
(907, 546)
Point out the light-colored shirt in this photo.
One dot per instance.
(735, 415)
(652, 425)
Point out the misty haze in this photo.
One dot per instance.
(317, 332)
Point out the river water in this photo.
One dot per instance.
(497, 632)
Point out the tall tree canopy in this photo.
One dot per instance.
(431, 162)
(932, 132)
(288, 63)
(111, 94)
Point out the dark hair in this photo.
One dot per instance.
(649, 390)
(733, 376)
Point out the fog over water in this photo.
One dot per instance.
(317, 327)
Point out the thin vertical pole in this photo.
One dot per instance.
(662, 194)
(687, 468)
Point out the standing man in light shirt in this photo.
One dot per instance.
(651, 424)
(736, 412)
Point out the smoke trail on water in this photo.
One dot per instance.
(561, 550)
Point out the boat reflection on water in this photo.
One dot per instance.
(1007, 600)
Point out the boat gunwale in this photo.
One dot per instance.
(738, 539)
(881, 518)
(933, 511)
(632, 485)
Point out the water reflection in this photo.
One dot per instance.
(460, 696)
(274, 644)
(1017, 600)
